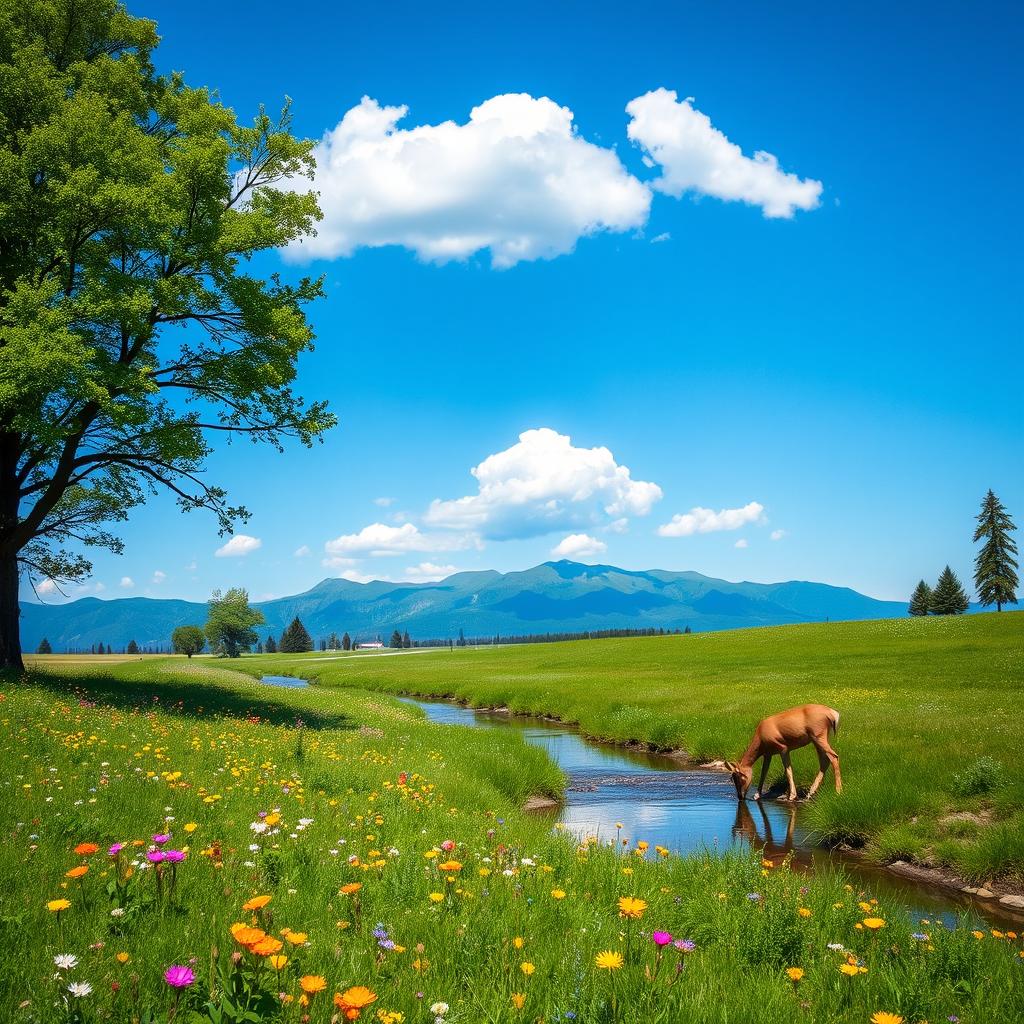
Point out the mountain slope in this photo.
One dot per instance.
(553, 597)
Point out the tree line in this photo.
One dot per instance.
(995, 568)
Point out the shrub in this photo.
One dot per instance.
(984, 775)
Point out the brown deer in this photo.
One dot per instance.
(781, 733)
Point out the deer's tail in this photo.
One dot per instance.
(834, 723)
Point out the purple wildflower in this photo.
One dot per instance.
(161, 837)
(155, 856)
(685, 945)
(661, 938)
(179, 977)
(115, 849)
(174, 856)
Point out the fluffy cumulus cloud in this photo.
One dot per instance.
(579, 545)
(541, 484)
(380, 540)
(741, 543)
(127, 582)
(516, 178)
(159, 576)
(778, 534)
(239, 545)
(695, 156)
(302, 552)
(706, 520)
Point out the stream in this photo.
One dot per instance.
(612, 790)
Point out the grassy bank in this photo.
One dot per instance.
(931, 715)
(388, 859)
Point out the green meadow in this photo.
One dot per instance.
(932, 712)
(182, 843)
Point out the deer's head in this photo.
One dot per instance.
(741, 778)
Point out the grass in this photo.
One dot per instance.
(390, 853)
(931, 712)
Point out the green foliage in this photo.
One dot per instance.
(346, 642)
(188, 640)
(229, 626)
(921, 599)
(44, 647)
(984, 775)
(396, 640)
(995, 568)
(295, 639)
(948, 597)
(132, 648)
(130, 208)
(270, 646)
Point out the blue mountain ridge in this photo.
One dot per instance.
(553, 597)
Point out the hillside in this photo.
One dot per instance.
(553, 597)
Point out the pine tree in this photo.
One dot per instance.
(259, 646)
(461, 642)
(396, 640)
(346, 643)
(995, 568)
(295, 639)
(406, 642)
(948, 597)
(44, 647)
(270, 646)
(921, 599)
(132, 648)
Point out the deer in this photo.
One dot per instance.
(781, 733)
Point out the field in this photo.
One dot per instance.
(932, 711)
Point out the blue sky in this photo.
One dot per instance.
(843, 373)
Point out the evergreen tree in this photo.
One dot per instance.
(132, 648)
(921, 599)
(687, 631)
(406, 642)
(396, 640)
(270, 646)
(995, 568)
(948, 597)
(259, 646)
(346, 643)
(461, 642)
(44, 647)
(295, 639)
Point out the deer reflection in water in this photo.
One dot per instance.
(760, 835)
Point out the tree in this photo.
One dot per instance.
(396, 640)
(188, 640)
(132, 204)
(948, 597)
(230, 621)
(295, 639)
(346, 642)
(132, 648)
(995, 568)
(259, 646)
(461, 642)
(406, 642)
(44, 647)
(921, 599)
(270, 646)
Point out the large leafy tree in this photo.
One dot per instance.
(995, 567)
(187, 640)
(132, 332)
(230, 622)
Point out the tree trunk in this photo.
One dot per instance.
(10, 615)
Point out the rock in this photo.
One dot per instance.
(981, 891)
(1012, 901)
(539, 803)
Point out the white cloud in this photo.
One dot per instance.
(705, 520)
(159, 576)
(239, 545)
(127, 582)
(665, 236)
(361, 577)
(696, 157)
(428, 572)
(741, 543)
(302, 552)
(544, 483)
(517, 178)
(383, 502)
(47, 587)
(618, 526)
(379, 540)
(578, 545)
(778, 534)
(192, 566)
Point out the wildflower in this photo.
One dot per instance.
(156, 856)
(527, 968)
(920, 936)
(80, 989)
(874, 923)
(76, 872)
(350, 888)
(608, 960)
(178, 976)
(558, 894)
(631, 907)
(439, 1009)
(161, 838)
(65, 961)
(836, 946)
(685, 945)
(795, 974)
(312, 983)
(122, 957)
(850, 970)
(978, 935)
(56, 906)
(277, 962)
(449, 866)
(267, 946)
(754, 897)
(436, 897)
(115, 849)
(518, 1000)
(804, 912)
(86, 849)
(661, 938)
(256, 903)
(297, 938)
(884, 1017)
(518, 942)
(190, 827)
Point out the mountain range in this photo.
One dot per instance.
(553, 597)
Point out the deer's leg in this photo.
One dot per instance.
(788, 765)
(834, 761)
(823, 763)
(765, 762)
